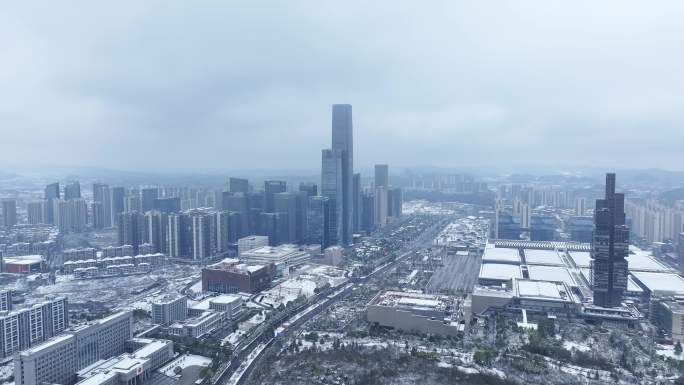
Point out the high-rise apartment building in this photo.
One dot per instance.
(103, 194)
(131, 229)
(26, 327)
(9, 213)
(610, 247)
(36, 212)
(51, 193)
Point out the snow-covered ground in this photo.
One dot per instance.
(668, 351)
(6, 370)
(184, 361)
(569, 345)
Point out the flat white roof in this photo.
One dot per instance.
(660, 283)
(500, 254)
(581, 258)
(539, 289)
(499, 271)
(642, 261)
(551, 273)
(543, 257)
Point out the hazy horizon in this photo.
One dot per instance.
(173, 88)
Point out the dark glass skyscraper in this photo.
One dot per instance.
(331, 187)
(343, 141)
(610, 246)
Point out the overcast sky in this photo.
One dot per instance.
(207, 86)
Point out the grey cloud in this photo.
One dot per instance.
(216, 86)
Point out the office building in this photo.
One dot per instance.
(238, 185)
(332, 188)
(610, 248)
(356, 203)
(230, 276)
(343, 141)
(381, 175)
(310, 188)
(381, 206)
(131, 230)
(272, 187)
(169, 309)
(319, 213)
(57, 360)
(72, 190)
(282, 256)
(275, 227)
(294, 205)
(580, 229)
(251, 242)
(9, 213)
(367, 212)
(395, 200)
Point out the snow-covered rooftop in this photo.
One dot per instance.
(499, 271)
(499, 254)
(543, 257)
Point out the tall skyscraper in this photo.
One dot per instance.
(103, 195)
(156, 229)
(72, 190)
(610, 247)
(331, 187)
(272, 187)
(318, 221)
(356, 203)
(51, 193)
(238, 185)
(381, 206)
(381, 175)
(9, 213)
(118, 197)
(343, 141)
